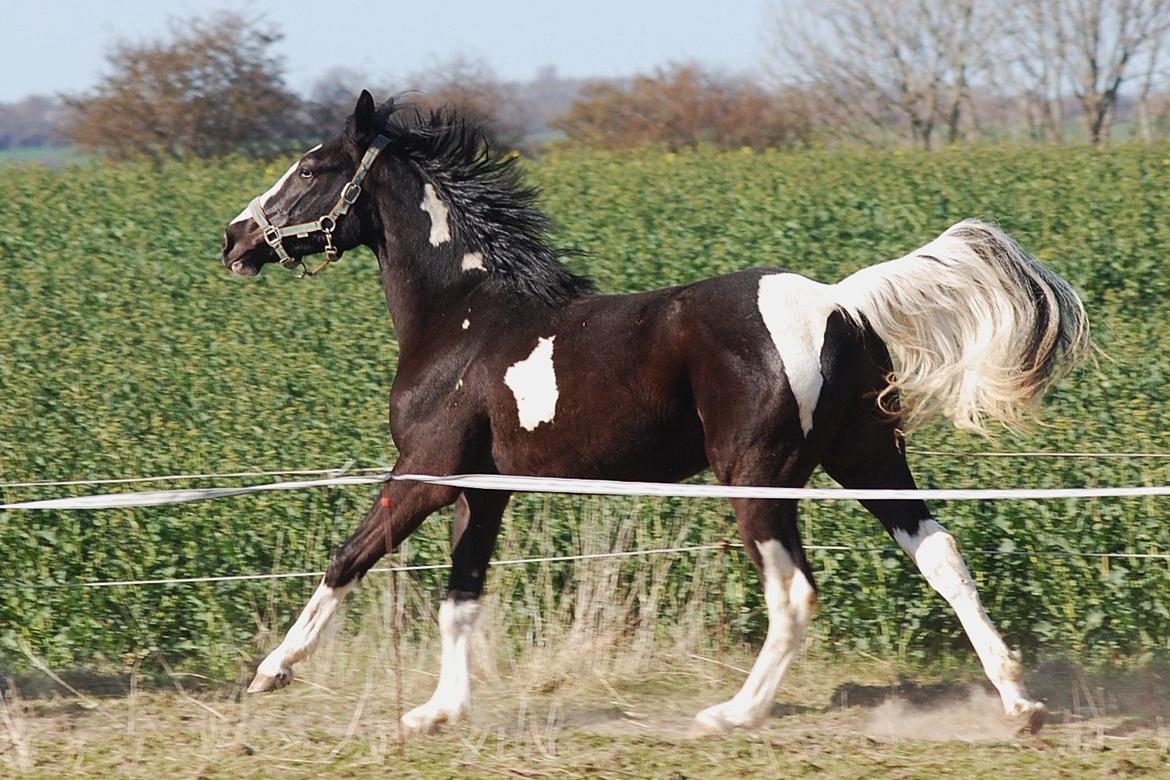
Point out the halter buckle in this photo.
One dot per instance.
(272, 236)
(351, 192)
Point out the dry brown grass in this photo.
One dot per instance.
(583, 700)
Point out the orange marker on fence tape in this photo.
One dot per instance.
(385, 502)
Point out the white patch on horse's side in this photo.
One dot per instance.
(534, 383)
(796, 311)
(452, 697)
(466, 324)
(437, 211)
(791, 600)
(937, 556)
(267, 196)
(302, 637)
(473, 261)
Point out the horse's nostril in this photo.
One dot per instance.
(226, 243)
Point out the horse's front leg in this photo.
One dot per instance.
(397, 512)
(477, 521)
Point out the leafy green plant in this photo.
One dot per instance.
(127, 350)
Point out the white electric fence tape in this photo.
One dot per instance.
(549, 485)
(596, 487)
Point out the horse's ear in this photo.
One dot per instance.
(363, 116)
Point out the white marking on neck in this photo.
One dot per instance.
(473, 261)
(534, 383)
(437, 211)
(796, 311)
(275, 188)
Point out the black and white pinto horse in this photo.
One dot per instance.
(510, 364)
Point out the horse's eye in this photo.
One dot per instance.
(306, 173)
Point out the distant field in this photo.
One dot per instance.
(51, 155)
(126, 350)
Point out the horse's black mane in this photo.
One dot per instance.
(492, 210)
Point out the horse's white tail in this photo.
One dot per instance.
(978, 328)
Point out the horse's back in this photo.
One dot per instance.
(681, 372)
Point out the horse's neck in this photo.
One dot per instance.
(421, 303)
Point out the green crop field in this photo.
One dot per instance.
(126, 350)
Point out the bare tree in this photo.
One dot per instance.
(1033, 63)
(212, 88)
(906, 65)
(1102, 42)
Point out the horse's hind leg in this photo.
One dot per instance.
(937, 556)
(396, 513)
(772, 541)
(477, 522)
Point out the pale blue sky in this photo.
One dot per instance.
(51, 46)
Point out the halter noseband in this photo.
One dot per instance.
(274, 236)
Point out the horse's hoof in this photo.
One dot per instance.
(1031, 716)
(262, 683)
(421, 721)
(720, 719)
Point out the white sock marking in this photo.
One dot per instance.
(534, 383)
(275, 188)
(791, 601)
(937, 557)
(303, 636)
(473, 261)
(452, 697)
(795, 312)
(437, 211)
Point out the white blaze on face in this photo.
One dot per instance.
(796, 311)
(437, 211)
(473, 261)
(466, 324)
(534, 383)
(275, 188)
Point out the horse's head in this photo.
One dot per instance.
(310, 209)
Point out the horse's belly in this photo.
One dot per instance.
(603, 436)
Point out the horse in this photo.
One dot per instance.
(511, 364)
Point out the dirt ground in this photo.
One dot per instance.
(338, 719)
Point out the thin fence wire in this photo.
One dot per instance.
(346, 475)
(347, 469)
(377, 570)
(229, 578)
(1039, 454)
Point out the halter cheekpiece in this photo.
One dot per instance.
(274, 236)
